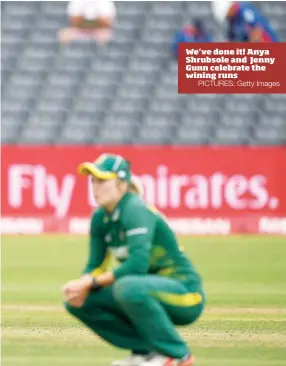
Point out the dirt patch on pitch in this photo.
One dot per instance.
(198, 337)
(48, 308)
(212, 310)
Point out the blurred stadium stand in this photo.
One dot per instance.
(125, 92)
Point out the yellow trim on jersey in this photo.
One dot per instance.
(183, 300)
(89, 168)
(166, 271)
(155, 211)
(105, 265)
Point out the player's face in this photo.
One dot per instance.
(105, 192)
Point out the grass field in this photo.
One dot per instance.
(244, 323)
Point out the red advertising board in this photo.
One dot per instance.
(238, 185)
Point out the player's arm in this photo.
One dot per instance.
(76, 291)
(98, 263)
(99, 257)
(139, 225)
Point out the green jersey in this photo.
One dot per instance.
(139, 237)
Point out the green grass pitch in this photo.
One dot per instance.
(244, 323)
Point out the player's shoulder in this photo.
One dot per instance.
(99, 222)
(134, 202)
(97, 217)
(136, 207)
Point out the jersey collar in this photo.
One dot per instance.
(115, 215)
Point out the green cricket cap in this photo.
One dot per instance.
(107, 166)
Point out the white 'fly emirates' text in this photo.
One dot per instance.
(165, 190)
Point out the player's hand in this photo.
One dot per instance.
(76, 291)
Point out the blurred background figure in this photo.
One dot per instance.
(89, 19)
(245, 22)
(195, 32)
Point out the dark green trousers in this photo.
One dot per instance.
(140, 313)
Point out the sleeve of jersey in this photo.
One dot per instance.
(99, 257)
(139, 226)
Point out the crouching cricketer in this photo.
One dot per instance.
(155, 287)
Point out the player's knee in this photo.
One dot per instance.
(128, 290)
(69, 308)
(73, 310)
